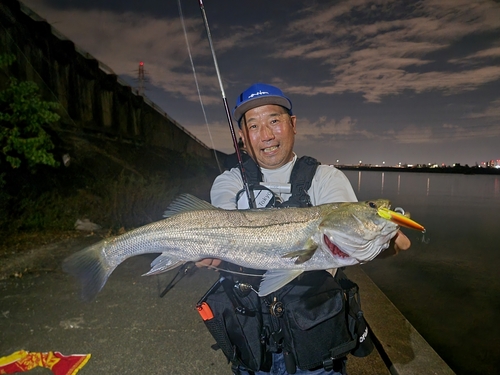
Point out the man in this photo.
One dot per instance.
(267, 127)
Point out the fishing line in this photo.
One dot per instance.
(181, 16)
(190, 267)
(226, 108)
(231, 271)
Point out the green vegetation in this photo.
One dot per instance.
(23, 116)
(112, 184)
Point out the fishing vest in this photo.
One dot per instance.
(315, 320)
(301, 178)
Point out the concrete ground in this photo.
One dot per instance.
(127, 329)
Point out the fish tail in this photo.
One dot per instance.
(90, 268)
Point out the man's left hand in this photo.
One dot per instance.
(399, 242)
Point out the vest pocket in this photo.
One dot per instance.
(238, 335)
(316, 322)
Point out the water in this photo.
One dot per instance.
(448, 289)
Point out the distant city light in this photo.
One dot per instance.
(493, 163)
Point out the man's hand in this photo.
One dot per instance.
(209, 262)
(399, 242)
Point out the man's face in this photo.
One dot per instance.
(269, 134)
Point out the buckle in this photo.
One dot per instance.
(328, 364)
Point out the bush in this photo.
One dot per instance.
(22, 117)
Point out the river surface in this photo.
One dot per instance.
(448, 288)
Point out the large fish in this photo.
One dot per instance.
(285, 241)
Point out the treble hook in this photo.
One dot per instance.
(425, 239)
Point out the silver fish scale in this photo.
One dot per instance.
(248, 238)
(284, 242)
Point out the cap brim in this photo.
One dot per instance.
(257, 102)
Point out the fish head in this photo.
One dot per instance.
(355, 232)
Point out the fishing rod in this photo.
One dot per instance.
(246, 186)
(189, 267)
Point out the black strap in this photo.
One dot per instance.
(186, 268)
(300, 179)
(252, 171)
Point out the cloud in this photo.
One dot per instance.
(325, 130)
(122, 40)
(391, 55)
(445, 134)
(328, 130)
(415, 134)
(492, 111)
(375, 49)
(478, 57)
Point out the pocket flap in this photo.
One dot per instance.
(314, 309)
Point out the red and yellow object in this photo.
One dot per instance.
(60, 364)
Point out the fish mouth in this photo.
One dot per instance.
(399, 219)
(334, 248)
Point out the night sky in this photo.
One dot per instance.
(372, 81)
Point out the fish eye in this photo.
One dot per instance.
(372, 205)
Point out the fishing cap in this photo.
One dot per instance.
(259, 94)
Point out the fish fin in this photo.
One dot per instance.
(185, 203)
(302, 255)
(90, 269)
(273, 280)
(163, 263)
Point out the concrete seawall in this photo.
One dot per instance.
(403, 350)
(93, 99)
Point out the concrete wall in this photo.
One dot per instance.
(92, 97)
(397, 342)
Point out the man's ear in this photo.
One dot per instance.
(248, 147)
(293, 121)
(242, 136)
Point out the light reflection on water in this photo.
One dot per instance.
(448, 289)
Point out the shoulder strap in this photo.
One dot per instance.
(252, 172)
(301, 179)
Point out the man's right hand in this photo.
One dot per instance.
(209, 262)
